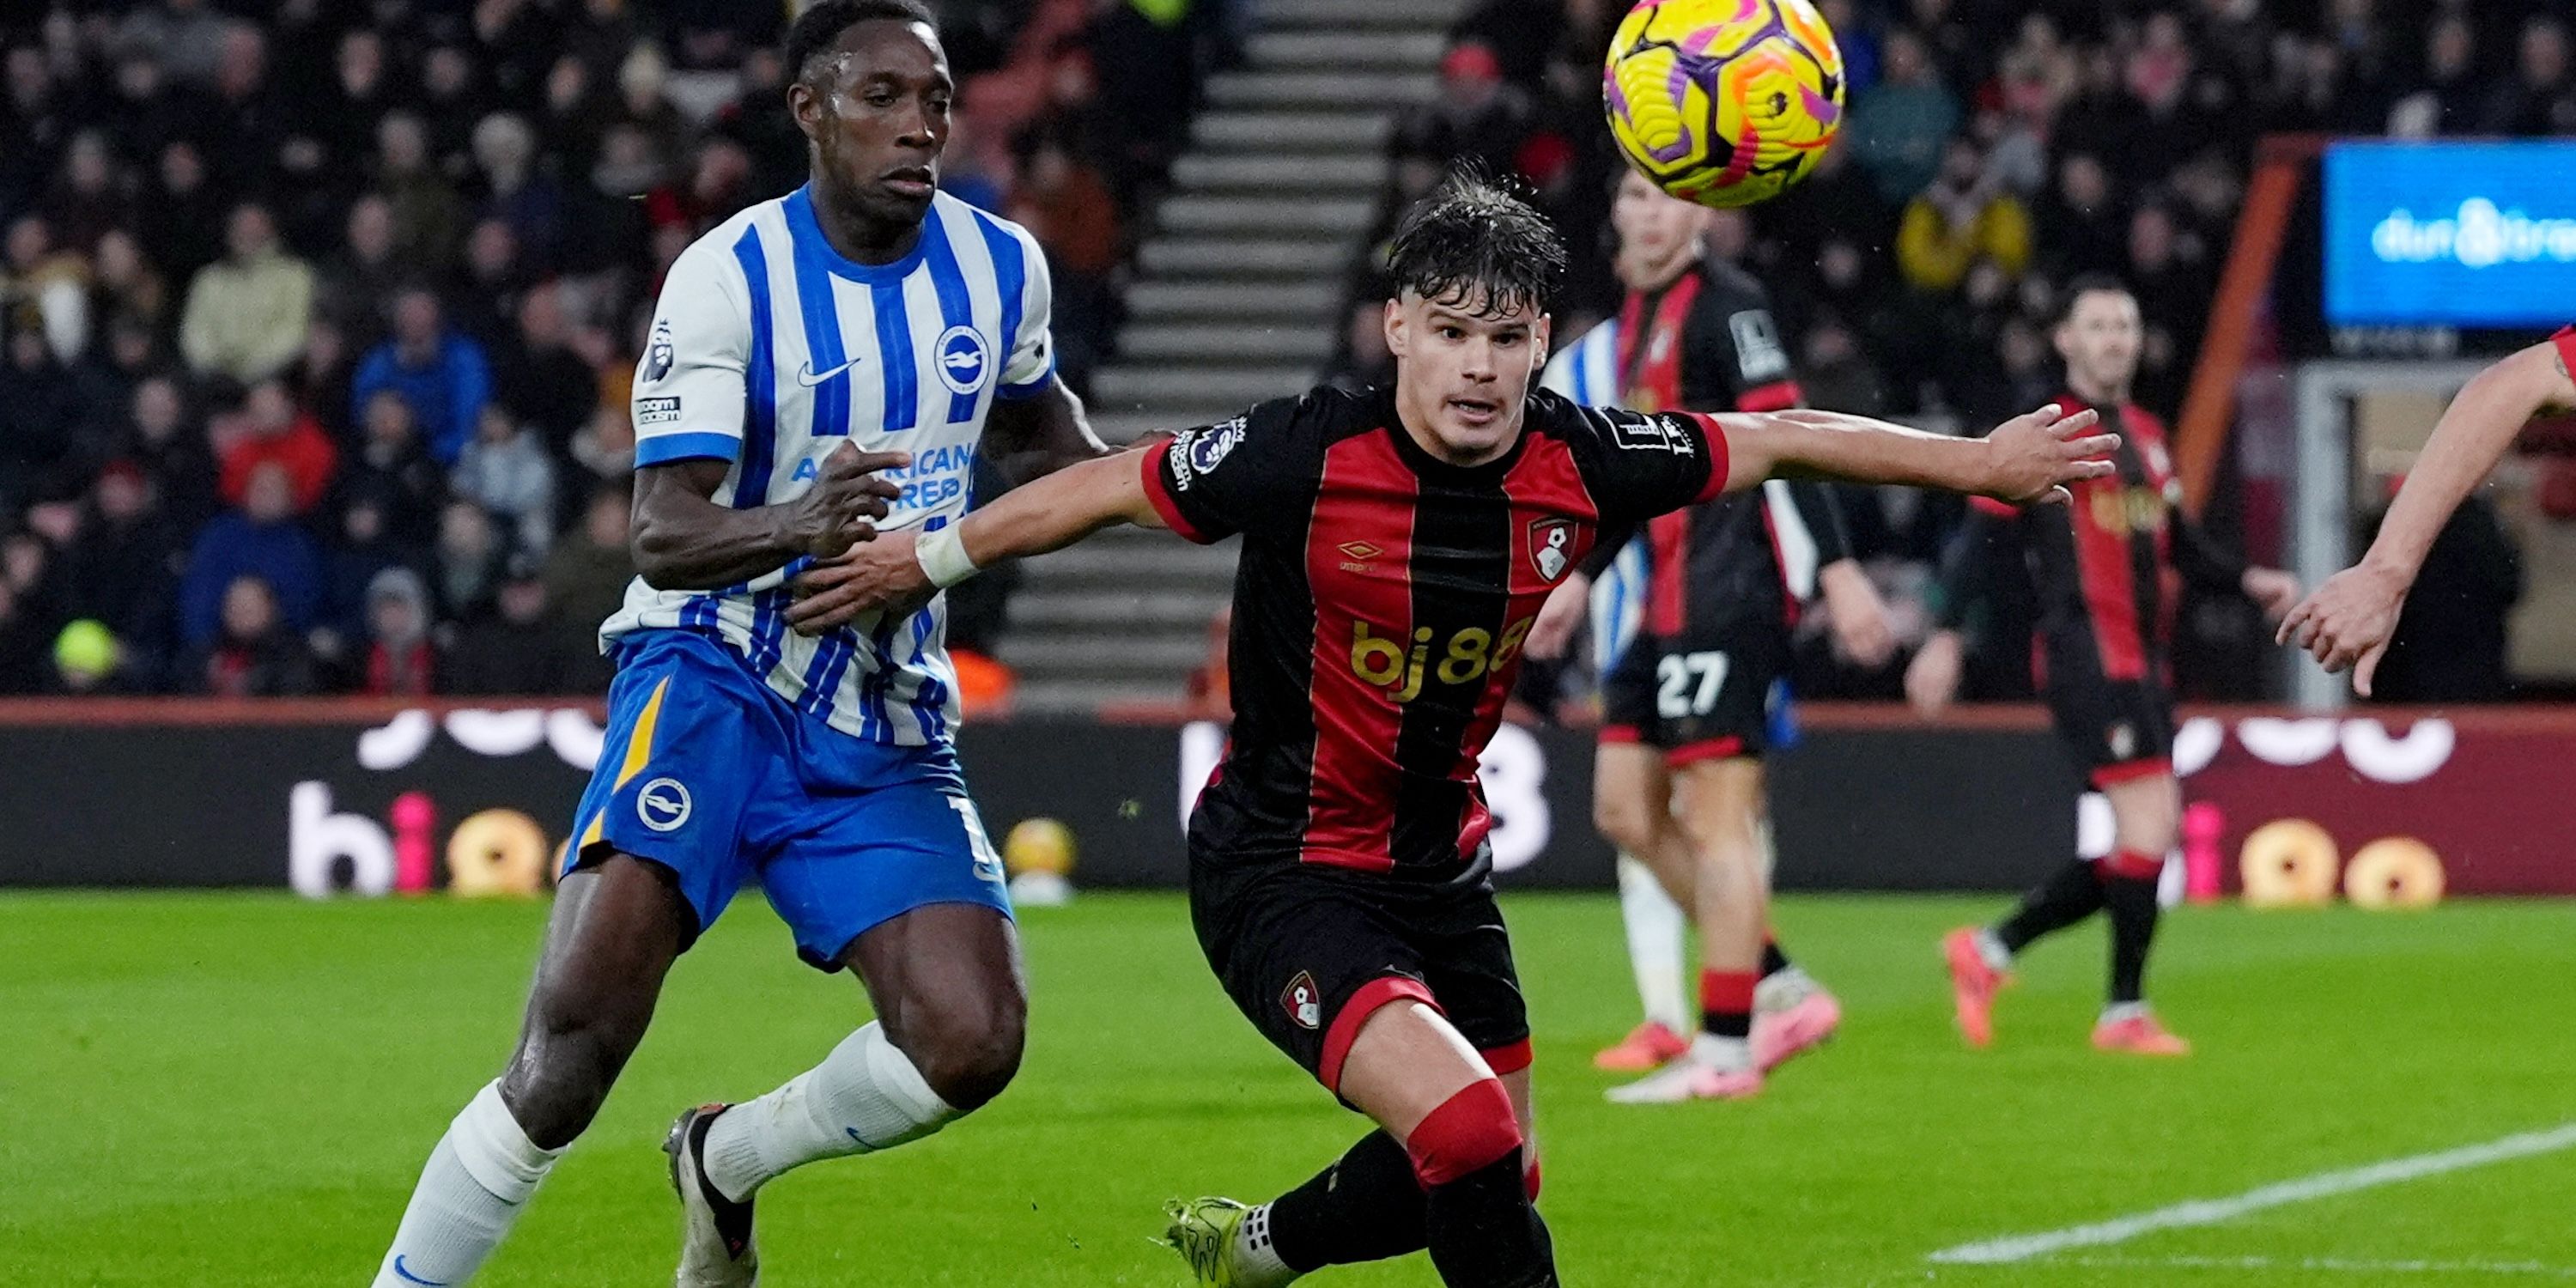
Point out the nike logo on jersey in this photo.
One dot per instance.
(404, 1273)
(809, 377)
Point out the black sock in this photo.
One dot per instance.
(1773, 960)
(2070, 894)
(1367, 1206)
(2132, 901)
(1485, 1233)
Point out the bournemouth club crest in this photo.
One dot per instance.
(1552, 547)
(1304, 1001)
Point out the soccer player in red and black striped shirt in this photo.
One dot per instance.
(1397, 545)
(2349, 620)
(2109, 571)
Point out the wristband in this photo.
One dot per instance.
(943, 556)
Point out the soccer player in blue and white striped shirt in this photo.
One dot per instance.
(821, 366)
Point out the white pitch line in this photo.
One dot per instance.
(2345, 1265)
(2023, 1247)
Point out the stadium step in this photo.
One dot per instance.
(1070, 696)
(1216, 342)
(1338, 217)
(1282, 176)
(1343, 50)
(1120, 425)
(1157, 301)
(1274, 131)
(1236, 257)
(1122, 655)
(1115, 609)
(1235, 385)
(1342, 90)
(1279, 15)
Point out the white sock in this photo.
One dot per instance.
(478, 1177)
(1655, 945)
(1256, 1258)
(2118, 1011)
(1992, 949)
(864, 1097)
(1727, 1054)
(1782, 989)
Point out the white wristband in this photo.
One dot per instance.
(943, 556)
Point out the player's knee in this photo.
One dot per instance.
(1626, 823)
(968, 1054)
(1467, 1133)
(554, 1099)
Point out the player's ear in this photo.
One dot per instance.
(805, 103)
(1395, 327)
(1539, 343)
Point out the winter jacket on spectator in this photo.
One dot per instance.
(470, 553)
(246, 313)
(181, 217)
(41, 413)
(291, 438)
(441, 374)
(506, 470)
(365, 547)
(400, 662)
(262, 540)
(171, 449)
(1959, 220)
(254, 653)
(23, 647)
(122, 571)
(514, 651)
(1898, 127)
(391, 464)
(586, 576)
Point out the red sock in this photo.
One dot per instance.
(2131, 865)
(1726, 1002)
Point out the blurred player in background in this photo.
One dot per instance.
(2109, 573)
(2349, 620)
(863, 311)
(1398, 544)
(1687, 708)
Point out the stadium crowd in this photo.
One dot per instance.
(1992, 150)
(318, 319)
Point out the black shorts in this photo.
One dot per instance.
(1696, 696)
(1308, 952)
(2117, 730)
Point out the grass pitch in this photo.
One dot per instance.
(231, 1089)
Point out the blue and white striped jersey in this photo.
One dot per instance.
(768, 349)
(1588, 372)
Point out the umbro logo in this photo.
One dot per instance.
(809, 377)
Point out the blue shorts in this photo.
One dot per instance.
(708, 773)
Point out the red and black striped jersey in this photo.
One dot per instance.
(2108, 569)
(1708, 342)
(1380, 603)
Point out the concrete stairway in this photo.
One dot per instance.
(1235, 301)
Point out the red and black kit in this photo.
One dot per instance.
(2109, 571)
(1727, 577)
(1380, 604)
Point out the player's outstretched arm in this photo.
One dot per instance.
(907, 567)
(2348, 621)
(683, 540)
(2030, 458)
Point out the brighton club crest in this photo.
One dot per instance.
(1304, 1001)
(1552, 547)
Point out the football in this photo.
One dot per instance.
(1723, 102)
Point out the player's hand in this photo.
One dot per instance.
(1558, 618)
(847, 499)
(1857, 614)
(1933, 677)
(2035, 456)
(2272, 590)
(881, 574)
(2348, 621)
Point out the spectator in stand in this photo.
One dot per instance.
(1477, 117)
(2172, 284)
(171, 450)
(275, 429)
(514, 651)
(368, 272)
(1067, 205)
(1899, 127)
(122, 571)
(2451, 640)
(2538, 98)
(2446, 99)
(246, 315)
(40, 410)
(366, 547)
(2078, 224)
(488, 298)
(1962, 217)
(186, 35)
(253, 652)
(515, 192)
(85, 203)
(125, 288)
(261, 540)
(442, 375)
(360, 95)
(541, 373)
(400, 661)
(1836, 373)
(587, 574)
(23, 642)
(470, 555)
(429, 217)
(181, 219)
(49, 284)
(392, 466)
(30, 570)
(506, 471)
